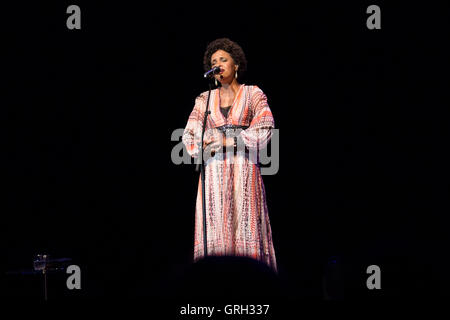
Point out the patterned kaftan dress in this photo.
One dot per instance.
(236, 211)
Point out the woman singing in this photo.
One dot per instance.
(241, 121)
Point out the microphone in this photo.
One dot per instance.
(213, 71)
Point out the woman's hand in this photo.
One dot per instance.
(213, 140)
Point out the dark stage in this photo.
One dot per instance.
(87, 118)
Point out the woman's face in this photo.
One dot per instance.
(228, 69)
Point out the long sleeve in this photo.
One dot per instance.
(258, 134)
(192, 134)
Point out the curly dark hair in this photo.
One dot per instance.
(232, 48)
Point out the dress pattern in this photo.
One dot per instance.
(236, 210)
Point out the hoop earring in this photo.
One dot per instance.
(215, 81)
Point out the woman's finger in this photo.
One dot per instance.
(215, 146)
(207, 143)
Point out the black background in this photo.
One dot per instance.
(87, 116)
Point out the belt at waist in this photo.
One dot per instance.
(228, 127)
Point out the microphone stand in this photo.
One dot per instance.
(202, 173)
